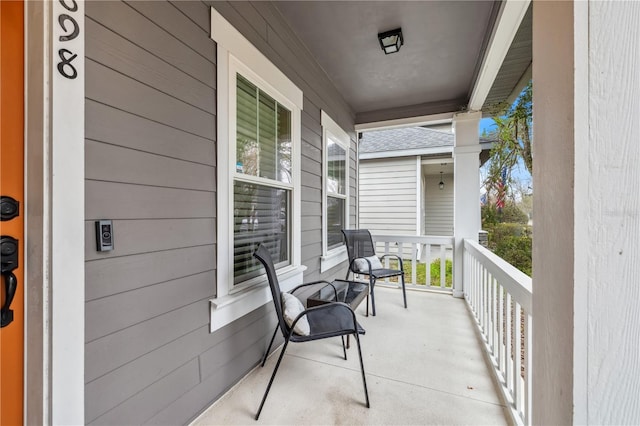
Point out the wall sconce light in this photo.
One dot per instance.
(390, 41)
(441, 184)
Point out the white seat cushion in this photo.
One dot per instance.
(291, 308)
(363, 266)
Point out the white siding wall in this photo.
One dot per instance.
(388, 196)
(438, 209)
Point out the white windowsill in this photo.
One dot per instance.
(333, 258)
(227, 309)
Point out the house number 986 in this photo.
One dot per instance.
(65, 67)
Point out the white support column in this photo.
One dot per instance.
(586, 257)
(466, 206)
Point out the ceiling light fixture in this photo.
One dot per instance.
(441, 184)
(390, 41)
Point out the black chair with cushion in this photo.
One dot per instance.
(363, 260)
(298, 324)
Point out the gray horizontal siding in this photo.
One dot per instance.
(151, 168)
(112, 126)
(144, 32)
(387, 196)
(111, 276)
(438, 217)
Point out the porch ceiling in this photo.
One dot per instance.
(434, 72)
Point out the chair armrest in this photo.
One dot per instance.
(307, 284)
(314, 283)
(396, 256)
(326, 306)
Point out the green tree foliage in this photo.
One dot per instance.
(509, 234)
(510, 213)
(516, 250)
(513, 137)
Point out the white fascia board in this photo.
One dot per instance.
(507, 24)
(421, 120)
(441, 160)
(407, 153)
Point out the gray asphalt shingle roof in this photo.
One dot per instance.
(408, 138)
(404, 138)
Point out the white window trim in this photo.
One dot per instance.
(236, 54)
(332, 258)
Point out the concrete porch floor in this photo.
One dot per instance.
(423, 365)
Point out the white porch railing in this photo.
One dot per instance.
(421, 251)
(499, 296)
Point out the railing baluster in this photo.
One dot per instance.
(414, 266)
(485, 300)
(466, 262)
(492, 343)
(443, 268)
(517, 352)
(400, 253)
(386, 259)
(509, 341)
(528, 364)
(501, 331)
(476, 273)
(496, 320)
(428, 264)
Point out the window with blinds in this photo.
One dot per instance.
(336, 182)
(262, 183)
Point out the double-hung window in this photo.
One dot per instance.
(262, 181)
(258, 160)
(335, 192)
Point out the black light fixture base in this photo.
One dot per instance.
(391, 41)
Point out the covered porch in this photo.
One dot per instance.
(424, 364)
(155, 331)
(443, 360)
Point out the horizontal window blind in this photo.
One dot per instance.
(261, 216)
(263, 134)
(335, 221)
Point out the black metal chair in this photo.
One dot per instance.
(334, 319)
(360, 247)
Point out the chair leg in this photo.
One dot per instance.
(273, 375)
(372, 284)
(364, 379)
(404, 291)
(344, 348)
(367, 305)
(266, 354)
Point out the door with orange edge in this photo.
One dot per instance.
(11, 211)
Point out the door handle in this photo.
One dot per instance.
(9, 262)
